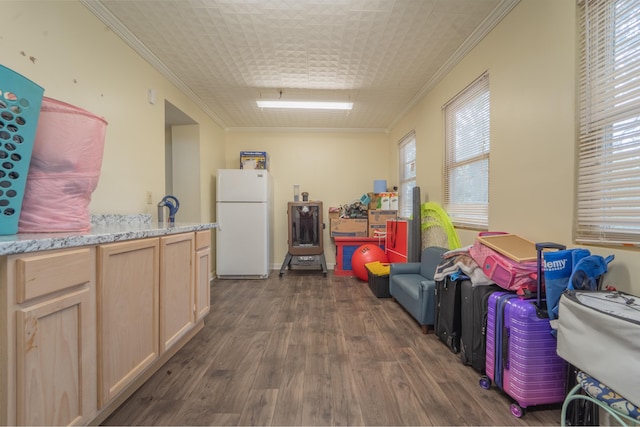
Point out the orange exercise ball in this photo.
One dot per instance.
(363, 255)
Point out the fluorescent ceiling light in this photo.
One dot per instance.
(309, 105)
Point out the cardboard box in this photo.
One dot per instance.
(254, 160)
(334, 213)
(378, 221)
(393, 201)
(374, 200)
(347, 227)
(384, 201)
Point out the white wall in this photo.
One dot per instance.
(186, 169)
(530, 57)
(334, 168)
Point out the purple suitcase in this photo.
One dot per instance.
(522, 359)
(521, 353)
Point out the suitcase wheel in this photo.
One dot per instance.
(516, 410)
(485, 382)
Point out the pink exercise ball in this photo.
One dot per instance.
(363, 255)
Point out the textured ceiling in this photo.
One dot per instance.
(382, 55)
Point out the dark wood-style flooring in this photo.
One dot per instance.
(308, 350)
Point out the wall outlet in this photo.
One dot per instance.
(149, 198)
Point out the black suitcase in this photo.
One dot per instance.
(447, 316)
(473, 319)
(580, 412)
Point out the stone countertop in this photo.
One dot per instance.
(101, 232)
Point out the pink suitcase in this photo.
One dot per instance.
(521, 354)
(505, 272)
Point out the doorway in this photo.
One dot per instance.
(182, 162)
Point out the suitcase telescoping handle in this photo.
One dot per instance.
(539, 248)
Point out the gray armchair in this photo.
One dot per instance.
(412, 286)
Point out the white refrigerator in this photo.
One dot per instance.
(244, 212)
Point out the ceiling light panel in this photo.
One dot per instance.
(306, 105)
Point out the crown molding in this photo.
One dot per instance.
(101, 12)
(500, 11)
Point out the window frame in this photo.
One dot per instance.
(407, 181)
(467, 213)
(608, 175)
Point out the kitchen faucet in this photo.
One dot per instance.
(170, 202)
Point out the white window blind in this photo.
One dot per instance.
(608, 201)
(407, 157)
(467, 140)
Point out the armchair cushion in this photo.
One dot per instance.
(431, 257)
(405, 268)
(413, 287)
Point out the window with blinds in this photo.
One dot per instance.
(466, 180)
(407, 157)
(608, 178)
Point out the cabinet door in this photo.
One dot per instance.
(128, 322)
(176, 288)
(55, 360)
(203, 272)
(203, 295)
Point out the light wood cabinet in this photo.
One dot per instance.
(203, 271)
(176, 287)
(49, 339)
(128, 313)
(82, 328)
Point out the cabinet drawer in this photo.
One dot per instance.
(44, 274)
(203, 239)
